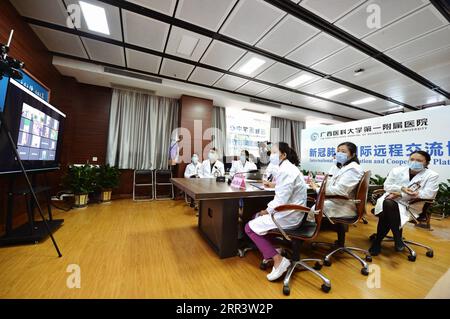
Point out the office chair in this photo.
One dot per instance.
(425, 216)
(294, 238)
(343, 222)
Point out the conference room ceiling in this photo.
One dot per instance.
(318, 43)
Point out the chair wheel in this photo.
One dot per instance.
(411, 258)
(368, 259)
(365, 271)
(430, 254)
(327, 262)
(317, 266)
(286, 290)
(373, 236)
(262, 265)
(325, 288)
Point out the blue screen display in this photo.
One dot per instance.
(3, 88)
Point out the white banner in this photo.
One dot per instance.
(383, 142)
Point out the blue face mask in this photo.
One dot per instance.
(274, 159)
(341, 158)
(243, 158)
(415, 166)
(194, 160)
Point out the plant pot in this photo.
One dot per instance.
(105, 195)
(81, 200)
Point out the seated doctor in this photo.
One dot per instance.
(290, 189)
(243, 165)
(403, 184)
(343, 180)
(193, 169)
(212, 167)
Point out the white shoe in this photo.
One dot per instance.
(280, 270)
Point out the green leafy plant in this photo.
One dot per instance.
(80, 179)
(442, 201)
(107, 177)
(377, 180)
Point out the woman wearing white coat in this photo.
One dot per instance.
(243, 165)
(290, 189)
(212, 167)
(193, 169)
(403, 184)
(343, 180)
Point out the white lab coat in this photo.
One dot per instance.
(272, 170)
(399, 177)
(205, 171)
(344, 182)
(192, 169)
(290, 189)
(237, 167)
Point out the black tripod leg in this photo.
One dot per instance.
(4, 127)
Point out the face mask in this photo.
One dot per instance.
(341, 158)
(415, 166)
(194, 160)
(243, 158)
(212, 157)
(274, 159)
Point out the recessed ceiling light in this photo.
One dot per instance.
(187, 45)
(251, 65)
(334, 92)
(363, 101)
(95, 17)
(299, 80)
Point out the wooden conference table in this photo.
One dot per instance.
(218, 220)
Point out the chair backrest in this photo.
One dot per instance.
(361, 194)
(319, 206)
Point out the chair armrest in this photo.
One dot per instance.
(286, 207)
(419, 200)
(378, 191)
(356, 201)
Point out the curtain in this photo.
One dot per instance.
(280, 130)
(140, 130)
(219, 127)
(297, 127)
(289, 131)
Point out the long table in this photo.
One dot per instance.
(218, 220)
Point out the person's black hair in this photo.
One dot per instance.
(247, 155)
(291, 154)
(353, 150)
(424, 154)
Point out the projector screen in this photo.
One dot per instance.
(244, 131)
(36, 128)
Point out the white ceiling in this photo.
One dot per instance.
(412, 32)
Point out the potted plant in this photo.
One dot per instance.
(107, 178)
(441, 203)
(80, 179)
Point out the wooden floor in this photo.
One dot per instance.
(129, 249)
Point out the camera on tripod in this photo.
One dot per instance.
(9, 67)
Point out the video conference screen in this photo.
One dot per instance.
(36, 128)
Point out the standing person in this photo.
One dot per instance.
(174, 154)
(290, 189)
(402, 185)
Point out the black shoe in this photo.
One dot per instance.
(375, 249)
(399, 246)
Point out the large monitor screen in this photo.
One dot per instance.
(36, 128)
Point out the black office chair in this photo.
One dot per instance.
(294, 238)
(342, 223)
(423, 219)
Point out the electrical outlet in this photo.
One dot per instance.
(94, 159)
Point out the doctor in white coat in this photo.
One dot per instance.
(403, 184)
(290, 189)
(344, 179)
(193, 169)
(212, 167)
(243, 165)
